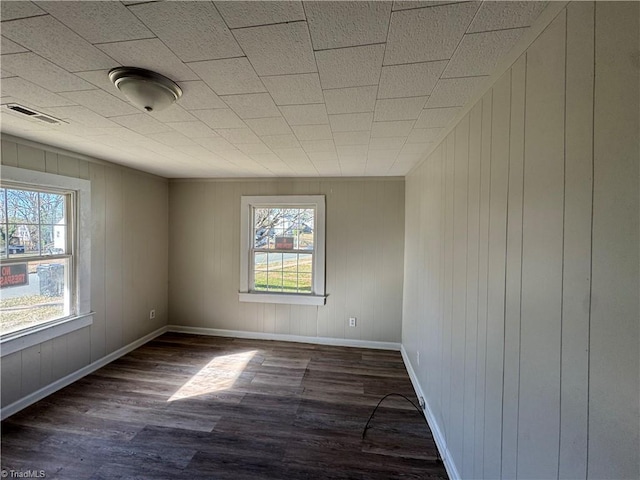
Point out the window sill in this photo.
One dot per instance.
(21, 340)
(286, 298)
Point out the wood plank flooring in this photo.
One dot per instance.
(188, 406)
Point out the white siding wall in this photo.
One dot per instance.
(129, 268)
(522, 260)
(364, 259)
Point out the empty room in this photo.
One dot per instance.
(320, 239)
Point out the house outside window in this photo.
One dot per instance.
(283, 249)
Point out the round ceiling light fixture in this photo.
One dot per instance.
(145, 89)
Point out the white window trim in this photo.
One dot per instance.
(318, 296)
(83, 316)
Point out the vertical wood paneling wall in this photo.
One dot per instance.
(522, 260)
(129, 268)
(364, 259)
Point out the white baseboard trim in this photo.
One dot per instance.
(441, 443)
(77, 375)
(340, 342)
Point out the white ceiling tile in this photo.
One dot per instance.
(42, 72)
(173, 114)
(478, 53)
(411, 80)
(100, 78)
(239, 14)
(83, 116)
(8, 46)
(173, 139)
(141, 123)
(346, 24)
(427, 34)
(196, 95)
(351, 138)
(318, 146)
(351, 100)
(236, 156)
(305, 114)
(98, 22)
(267, 158)
(252, 105)
(269, 126)
(352, 150)
(501, 15)
(49, 38)
(385, 143)
(238, 135)
(254, 149)
(193, 30)
(280, 141)
(295, 89)
(278, 49)
(292, 154)
(350, 67)
(382, 156)
(323, 157)
(312, 132)
(415, 148)
(215, 144)
(229, 76)
(409, 4)
(101, 102)
(220, 118)
(14, 10)
(31, 93)
(192, 129)
(151, 54)
(399, 108)
(424, 135)
(328, 169)
(454, 92)
(400, 128)
(436, 117)
(351, 122)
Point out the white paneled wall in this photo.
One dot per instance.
(364, 259)
(521, 261)
(129, 268)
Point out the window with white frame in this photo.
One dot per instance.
(283, 249)
(36, 256)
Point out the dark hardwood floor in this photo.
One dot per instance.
(189, 407)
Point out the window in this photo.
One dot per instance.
(283, 249)
(36, 256)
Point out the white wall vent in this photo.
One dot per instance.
(29, 112)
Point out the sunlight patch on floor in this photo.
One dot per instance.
(219, 374)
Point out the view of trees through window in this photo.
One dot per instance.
(34, 256)
(283, 249)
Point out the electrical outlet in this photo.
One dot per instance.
(352, 321)
(152, 314)
(418, 356)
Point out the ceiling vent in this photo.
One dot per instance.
(29, 112)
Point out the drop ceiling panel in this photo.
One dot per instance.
(141, 123)
(98, 22)
(294, 89)
(14, 10)
(347, 24)
(151, 54)
(411, 80)
(399, 108)
(318, 146)
(54, 41)
(280, 141)
(11, 47)
(42, 72)
(453, 92)
(350, 67)
(31, 94)
(100, 79)
(173, 139)
(173, 114)
(269, 126)
(220, 118)
(400, 128)
(252, 105)
(101, 102)
(83, 116)
(478, 53)
(427, 34)
(351, 138)
(193, 30)
(238, 135)
(192, 129)
(423, 135)
(229, 76)
(239, 14)
(436, 117)
(255, 149)
(410, 4)
(196, 95)
(305, 114)
(501, 15)
(351, 122)
(351, 100)
(278, 49)
(312, 132)
(386, 143)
